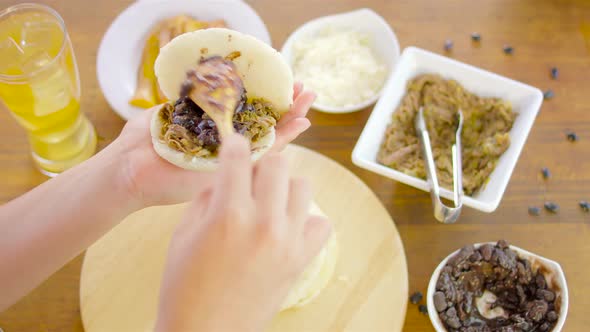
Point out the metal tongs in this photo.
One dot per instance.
(442, 213)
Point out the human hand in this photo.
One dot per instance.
(240, 247)
(154, 181)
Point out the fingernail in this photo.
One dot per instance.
(314, 95)
(306, 124)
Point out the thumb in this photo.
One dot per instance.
(315, 235)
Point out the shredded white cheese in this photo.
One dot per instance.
(339, 66)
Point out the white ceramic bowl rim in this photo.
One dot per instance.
(552, 266)
(363, 14)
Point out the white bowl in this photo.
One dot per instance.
(383, 43)
(526, 101)
(119, 54)
(554, 276)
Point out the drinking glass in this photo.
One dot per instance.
(40, 86)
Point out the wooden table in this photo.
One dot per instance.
(543, 33)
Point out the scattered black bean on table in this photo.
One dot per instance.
(423, 309)
(448, 45)
(548, 94)
(545, 172)
(551, 207)
(554, 73)
(571, 136)
(534, 210)
(416, 297)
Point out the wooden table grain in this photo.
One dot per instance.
(544, 33)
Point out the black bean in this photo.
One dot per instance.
(554, 73)
(552, 316)
(448, 45)
(423, 309)
(585, 206)
(508, 49)
(544, 294)
(548, 94)
(536, 310)
(454, 323)
(540, 281)
(502, 244)
(486, 251)
(416, 297)
(545, 172)
(551, 207)
(571, 136)
(534, 211)
(440, 302)
(475, 37)
(498, 269)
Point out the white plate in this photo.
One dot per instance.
(120, 51)
(383, 43)
(526, 101)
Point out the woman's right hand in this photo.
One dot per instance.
(241, 246)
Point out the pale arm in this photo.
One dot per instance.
(53, 223)
(48, 226)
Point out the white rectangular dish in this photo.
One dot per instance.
(526, 102)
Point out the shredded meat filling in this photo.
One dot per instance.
(485, 136)
(187, 128)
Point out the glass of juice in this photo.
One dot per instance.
(40, 86)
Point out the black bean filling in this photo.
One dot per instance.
(528, 302)
(189, 129)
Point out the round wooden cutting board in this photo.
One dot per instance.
(121, 273)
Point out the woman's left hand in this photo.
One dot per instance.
(154, 181)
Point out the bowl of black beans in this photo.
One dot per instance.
(497, 287)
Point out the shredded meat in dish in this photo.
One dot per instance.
(485, 136)
(187, 128)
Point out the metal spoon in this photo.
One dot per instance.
(216, 87)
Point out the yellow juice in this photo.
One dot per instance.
(39, 84)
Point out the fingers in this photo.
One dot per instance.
(235, 172)
(200, 203)
(289, 132)
(195, 213)
(146, 116)
(299, 202)
(139, 125)
(299, 108)
(183, 185)
(316, 232)
(271, 186)
(297, 88)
